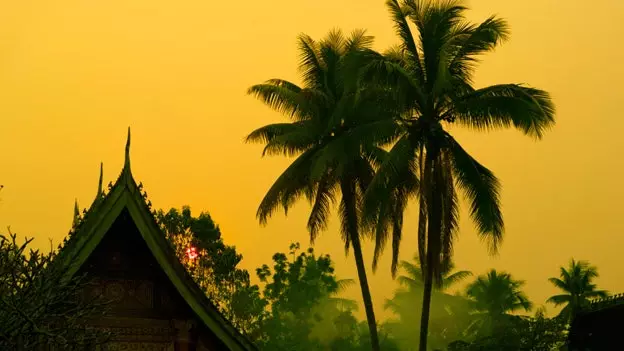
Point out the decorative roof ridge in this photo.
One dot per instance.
(99, 191)
(126, 168)
(613, 300)
(126, 182)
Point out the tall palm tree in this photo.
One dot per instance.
(431, 73)
(496, 295)
(330, 123)
(577, 284)
(413, 279)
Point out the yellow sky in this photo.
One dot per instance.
(74, 74)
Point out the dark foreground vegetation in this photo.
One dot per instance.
(297, 304)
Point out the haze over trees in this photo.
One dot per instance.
(368, 132)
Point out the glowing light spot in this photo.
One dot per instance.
(191, 252)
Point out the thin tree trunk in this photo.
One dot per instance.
(426, 305)
(348, 196)
(366, 295)
(433, 203)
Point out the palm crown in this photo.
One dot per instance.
(576, 283)
(497, 294)
(413, 279)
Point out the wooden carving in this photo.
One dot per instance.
(129, 294)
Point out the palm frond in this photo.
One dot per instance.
(475, 41)
(387, 195)
(324, 198)
(500, 106)
(358, 40)
(288, 186)
(455, 278)
(450, 213)
(408, 44)
(311, 65)
(482, 190)
(435, 22)
(267, 133)
(292, 143)
(559, 299)
(285, 100)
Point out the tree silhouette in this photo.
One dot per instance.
(334, 156)
(414, 277)
(577, 284)
(495, 295)
(431, 72)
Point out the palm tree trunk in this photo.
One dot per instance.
(350, 214)
(434, 226)
(426, 305)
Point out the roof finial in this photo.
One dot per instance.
(76, 214)
(127, 160)
(99, 192)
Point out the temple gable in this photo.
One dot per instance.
(155, 304)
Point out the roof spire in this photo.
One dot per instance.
(76, 214)
(127, 160)
(99, 191)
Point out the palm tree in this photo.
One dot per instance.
(496, 295)
(431, 74)
(413, 279)
(576, 283)
(331, 121)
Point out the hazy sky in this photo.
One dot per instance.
(75, 74)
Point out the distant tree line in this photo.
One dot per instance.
(299, 307)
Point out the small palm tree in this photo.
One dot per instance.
(576, 283)
(448, 311)
(496, 294)
(413, 279)
(334, 157)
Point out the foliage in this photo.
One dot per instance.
(305, 313)
(38, 305)
(214, 266)
(495, 295)
(413, 279)
(431, 73)
(330, 124)
(578, 288)
(449, 316)
(537, 333)
(299, 291)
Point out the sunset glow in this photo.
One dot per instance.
(191, 252)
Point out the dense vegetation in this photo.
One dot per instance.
(297, 304)
(38, 305)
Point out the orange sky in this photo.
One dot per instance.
(74, 74)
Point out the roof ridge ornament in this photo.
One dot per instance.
(127, 156)
(76, 214)
(100, 183)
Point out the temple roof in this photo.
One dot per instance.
(607, 302)
(88, 231)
